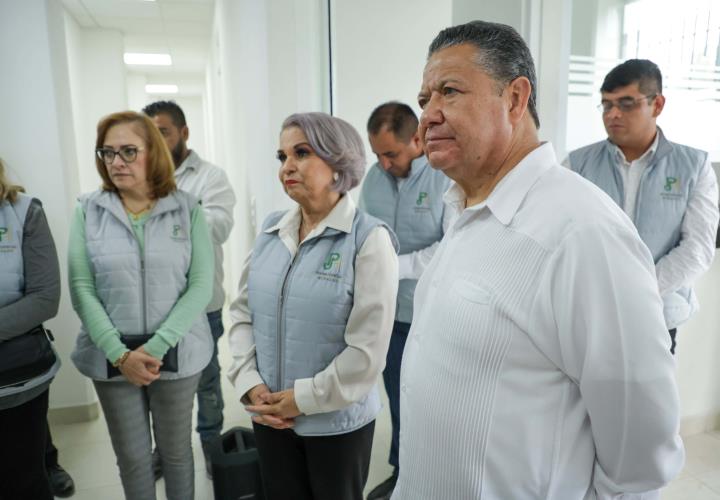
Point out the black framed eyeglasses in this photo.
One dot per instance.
(128, 154)
(624, 104)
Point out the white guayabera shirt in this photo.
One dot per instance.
(538, 363)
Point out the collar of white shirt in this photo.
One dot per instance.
(340, 218)
(192, 162)
(644, 158)
(506, 197)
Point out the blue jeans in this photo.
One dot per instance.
(391, 377)
(209, 393)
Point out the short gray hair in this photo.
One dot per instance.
(336, 142)
(502, 53)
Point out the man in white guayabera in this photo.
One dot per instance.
(538, 362)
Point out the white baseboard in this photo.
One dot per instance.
(698, 424)
(74, 414)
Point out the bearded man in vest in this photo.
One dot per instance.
(406, 193)
(668, 190)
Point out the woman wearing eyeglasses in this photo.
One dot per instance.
(141, 270)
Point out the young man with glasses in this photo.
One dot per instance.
(668, 190)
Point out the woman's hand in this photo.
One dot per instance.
(259, 397)
(140, 368)
(279, 405)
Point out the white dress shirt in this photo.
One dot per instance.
(538, 363)
(353, 372)
(631, 173)
(210, 185)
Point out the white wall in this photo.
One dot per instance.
(545, 25)
(192, 106)
(697, 356)
(379, 53)
(135, 86)
(98, 87)
(505, 11)
(37, 141)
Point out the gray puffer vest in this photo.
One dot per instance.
(414, 212)
(138, 290)
(300, 308)
(662, 200)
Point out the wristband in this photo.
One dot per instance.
(119, 362)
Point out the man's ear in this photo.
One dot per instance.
(416, 143)
(658, 105)
(518, 92)
(185, 133)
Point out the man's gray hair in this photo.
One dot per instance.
(336, 142)
(501, 53)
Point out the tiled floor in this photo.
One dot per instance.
(86, 453)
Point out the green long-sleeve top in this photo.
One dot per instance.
(188, 307)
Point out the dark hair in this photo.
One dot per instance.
(160, 169)
(641, 71)
(169, 108)
(397, 117)
(501, 53)
(336, 142)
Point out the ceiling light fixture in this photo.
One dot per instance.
(161, 89)
(147, 59)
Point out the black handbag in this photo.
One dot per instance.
(26, 356)
(132, 342)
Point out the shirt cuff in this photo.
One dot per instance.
(246, 381)
(115, 352)
(405, 266)
(156, 347)
(304, 396)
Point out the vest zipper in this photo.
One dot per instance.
(143, 306)
(280, 329)
(638, 196)
(397, 205)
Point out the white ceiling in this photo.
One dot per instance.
(181, 28)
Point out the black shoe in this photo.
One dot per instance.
(156, 464)
(208, 460)
(61, 484)
(383, 490)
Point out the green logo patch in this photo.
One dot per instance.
(178, 232)
(333, 260)
(669, 183)
(3, 232)
(421, 198)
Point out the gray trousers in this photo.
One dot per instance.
(127, 412)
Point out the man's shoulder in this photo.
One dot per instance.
(437, 176)
(562, 201)
(588, 149)
(375, 174)
(201, 164)
(199, 173)
(699, 155)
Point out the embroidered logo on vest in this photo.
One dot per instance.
(331, 267)
(6, 239)
(332, 260)
(178, 233)
(422, 204)
(672, 188)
